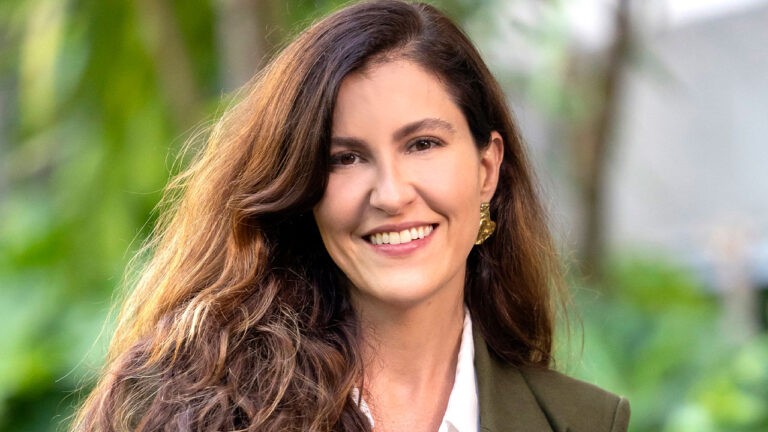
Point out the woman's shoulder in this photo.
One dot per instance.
(514, 399)
(573, 404)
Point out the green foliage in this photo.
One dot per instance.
(87, 137)
(654, 336)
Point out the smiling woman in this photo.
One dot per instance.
(359, 246)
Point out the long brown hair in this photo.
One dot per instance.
(238, 320)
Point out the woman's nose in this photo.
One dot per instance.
(392, 190)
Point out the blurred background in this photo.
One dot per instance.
(646, 121)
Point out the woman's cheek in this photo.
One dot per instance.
(449, 179)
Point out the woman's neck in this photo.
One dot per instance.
(413, 343)
(410, 354)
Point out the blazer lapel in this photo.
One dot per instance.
(505, 399)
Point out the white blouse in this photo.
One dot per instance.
(462, 412)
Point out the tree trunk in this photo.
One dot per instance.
(247, 30)
(171, 59)
(597, 145)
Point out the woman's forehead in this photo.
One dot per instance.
(392, 96)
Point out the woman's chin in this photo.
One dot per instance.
(403, 295)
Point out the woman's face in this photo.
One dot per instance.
(402, 157)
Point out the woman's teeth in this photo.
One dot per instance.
(403, 236)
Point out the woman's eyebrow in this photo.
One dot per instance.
(427, 123)
(400, 133)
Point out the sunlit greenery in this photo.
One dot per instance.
(654, 334)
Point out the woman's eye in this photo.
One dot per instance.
(344, 159)
(423, 144)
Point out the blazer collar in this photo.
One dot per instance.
(506, 401)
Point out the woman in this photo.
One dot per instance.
(323, 268)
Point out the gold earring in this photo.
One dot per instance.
(486, 224)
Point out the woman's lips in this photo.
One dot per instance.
(403, 249)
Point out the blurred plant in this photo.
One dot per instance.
(653, 335)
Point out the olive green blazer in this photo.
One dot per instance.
(527, 400)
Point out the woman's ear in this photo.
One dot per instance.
(490, 164)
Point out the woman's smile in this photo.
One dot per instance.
(401, 243)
